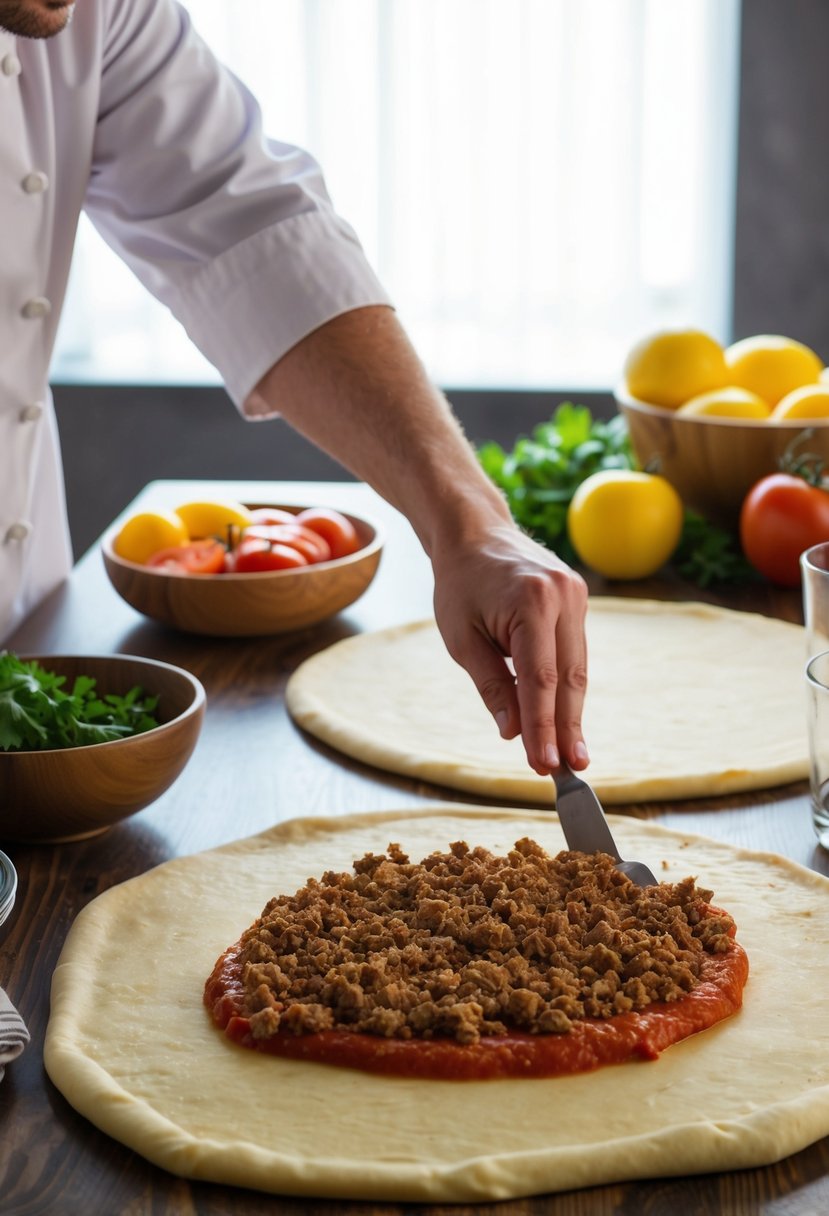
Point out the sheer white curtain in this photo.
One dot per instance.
(537, 182)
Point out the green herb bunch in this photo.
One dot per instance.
(543, 471)
(37, 714)
(708, 555)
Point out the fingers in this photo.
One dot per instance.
(572, 665)
(551, 681)
(494, 681)
(544, 698)
(514, 600)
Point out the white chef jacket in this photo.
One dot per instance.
(127, 114)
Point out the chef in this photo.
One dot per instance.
(117, 107)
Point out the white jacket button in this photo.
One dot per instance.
(10, 65)
(37, 307)
(18, 531)
(31, 413)
(35, 182)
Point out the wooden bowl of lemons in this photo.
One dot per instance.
(56, 788)
(714, 420)
(242, 570)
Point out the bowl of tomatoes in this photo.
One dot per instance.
(240, 569)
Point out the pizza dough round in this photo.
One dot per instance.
(684, 700)
(132, 1048)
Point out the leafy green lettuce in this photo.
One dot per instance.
(36, 713)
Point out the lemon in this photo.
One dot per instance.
(729, 402)
(810, 401)
(771, 365)
(624, 524)
(672, 366)
(824, 376)
(144, 534)
(203, 519)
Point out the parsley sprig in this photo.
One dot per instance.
(708, 555)
(37, 713)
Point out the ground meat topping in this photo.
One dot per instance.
(465, 944)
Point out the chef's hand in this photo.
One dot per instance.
(356, 387)
(504, 597)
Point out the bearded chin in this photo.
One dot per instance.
(17, 17)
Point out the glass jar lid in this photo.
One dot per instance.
(8, 886)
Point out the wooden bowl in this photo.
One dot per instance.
(75, 792)
(247, 605)
(713, 462)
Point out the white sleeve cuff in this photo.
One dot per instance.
(247, 307)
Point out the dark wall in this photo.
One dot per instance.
(117, 439)
(781, 282)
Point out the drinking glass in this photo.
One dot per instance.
(817, 693)
(814, 569)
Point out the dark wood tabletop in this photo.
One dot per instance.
(252, 767)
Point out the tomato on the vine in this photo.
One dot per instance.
(197, 557)
(782, 515)
(255, 554)
(333, 527)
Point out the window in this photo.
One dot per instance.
(537, 182)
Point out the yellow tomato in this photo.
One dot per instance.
(771, 365)
(203, 519)
(730, 402)
(144, 534)
(670, 367)
(811, 401)
(623, 524)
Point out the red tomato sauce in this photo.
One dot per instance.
(592, 1043)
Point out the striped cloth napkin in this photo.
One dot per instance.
(13, 1033)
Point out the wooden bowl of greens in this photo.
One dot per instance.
(86, 740)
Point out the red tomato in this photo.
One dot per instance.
(198, 557)
(781, 516)
(335, 528)
(255, 554)
(272, 515)
(312, 546)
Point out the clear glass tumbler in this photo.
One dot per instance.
(817, 692)
(814, 570)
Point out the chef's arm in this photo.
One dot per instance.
(356, 388)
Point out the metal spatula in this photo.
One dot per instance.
(584, 825)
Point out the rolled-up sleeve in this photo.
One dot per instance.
(236, 234)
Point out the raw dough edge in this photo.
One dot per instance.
(758, 1138)
(314, 713)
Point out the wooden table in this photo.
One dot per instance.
(252, 767)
